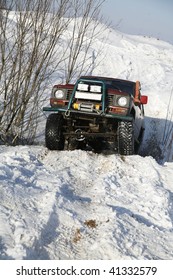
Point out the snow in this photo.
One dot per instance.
(81, 205)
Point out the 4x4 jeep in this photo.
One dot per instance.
(96, 110)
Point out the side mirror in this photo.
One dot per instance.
(144, 99)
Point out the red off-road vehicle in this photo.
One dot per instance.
(95, 111)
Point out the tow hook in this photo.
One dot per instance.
(67, 113)
(79, 135)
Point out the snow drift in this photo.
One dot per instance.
(82, 205)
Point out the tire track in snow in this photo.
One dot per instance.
(81, 179)
(81, 205)
(120, 196)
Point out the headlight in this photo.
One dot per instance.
(59, 94)
(122, 101)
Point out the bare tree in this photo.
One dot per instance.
(31, 49)
(86, 28)
(29, 38)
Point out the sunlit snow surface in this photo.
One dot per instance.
(82, 205)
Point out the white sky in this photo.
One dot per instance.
(141, 17)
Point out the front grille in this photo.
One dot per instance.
(110, 99)
(68, 94)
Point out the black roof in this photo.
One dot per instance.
(106, 79)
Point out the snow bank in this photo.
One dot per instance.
(81, 205)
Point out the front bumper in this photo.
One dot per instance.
(68, 113)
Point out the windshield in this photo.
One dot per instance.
(121, 85)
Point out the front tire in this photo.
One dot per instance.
(125, 138)
(54, 132)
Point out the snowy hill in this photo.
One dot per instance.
(81, 205)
